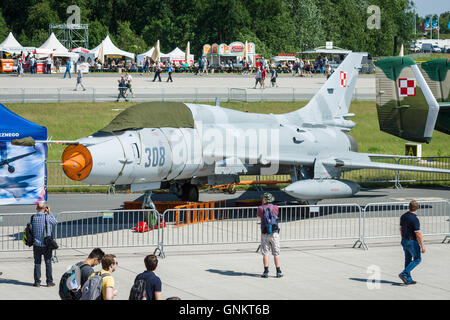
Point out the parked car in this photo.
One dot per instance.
(436, 48)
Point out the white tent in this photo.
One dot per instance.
(109, 49)
(141, 57)
(179, 56)
(53, 44)
(10, 44)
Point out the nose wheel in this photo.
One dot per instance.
(190, 192)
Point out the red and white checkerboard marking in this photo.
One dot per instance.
(407, 87)
(343, 79)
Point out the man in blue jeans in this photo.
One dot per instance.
(42, 223)
(68, 66)
(412, 242)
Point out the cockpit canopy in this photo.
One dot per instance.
(152, 115)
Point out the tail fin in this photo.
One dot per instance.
(405, 104)
(334, 98)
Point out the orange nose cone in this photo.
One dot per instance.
(76, 162)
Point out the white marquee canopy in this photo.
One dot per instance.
(54, 47)
(110, 49)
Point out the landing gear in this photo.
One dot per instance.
(189, 192)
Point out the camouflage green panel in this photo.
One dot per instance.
(393, 66)
(437, 75)
(402, 116)
(152, 115)
(443, 120)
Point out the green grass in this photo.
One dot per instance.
(70, 121)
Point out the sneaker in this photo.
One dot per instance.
(37, 285)
(49, 285)
(401, 276)
(265, 275)
(279, 274)
(412, 282)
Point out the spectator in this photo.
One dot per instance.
(128, 80)
(42, 223)
(68, 66)
(270, 238)
(48, 69)
(122, 89)
(170, 70)
(109, 265)
(263, 77)
(19, 67)
(33, 64)
(57, 65)
(273, 77)
(87, 265)
(79, 81)
(152, 282)
(412, 242)
(258, 78)
(86, 269)
(157, 72)
(205, 65)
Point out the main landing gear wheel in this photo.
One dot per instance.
(190, 193)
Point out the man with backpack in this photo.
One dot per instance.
(270, 237)
(100, 285)
(41, 225)
(147, 285)
(73, 279)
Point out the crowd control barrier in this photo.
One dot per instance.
(203, 225)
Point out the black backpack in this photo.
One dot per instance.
(137, 291)
(69, 285)
(28, 238)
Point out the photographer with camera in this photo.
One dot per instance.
(42, 223)
(270, 237)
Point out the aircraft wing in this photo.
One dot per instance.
(346, 161)
(355, 161)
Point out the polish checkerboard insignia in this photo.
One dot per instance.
(407, 87)
(343, 79)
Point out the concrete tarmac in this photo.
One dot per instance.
(328, 269)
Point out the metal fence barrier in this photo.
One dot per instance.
(234, 225)
(381, 220)
(185, 94)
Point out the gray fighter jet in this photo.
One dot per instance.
(181, 145)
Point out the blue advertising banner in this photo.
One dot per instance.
(427, 23)
(22, 169)
(435, 23)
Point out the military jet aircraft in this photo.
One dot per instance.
(413, 101)
(182, 145)
(4, 157)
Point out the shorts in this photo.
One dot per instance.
(270, 243)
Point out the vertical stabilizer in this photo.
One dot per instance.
(334, 98)
(405, 104)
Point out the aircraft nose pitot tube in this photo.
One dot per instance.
(314, 189)
(96, 162)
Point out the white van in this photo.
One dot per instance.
(436, 48)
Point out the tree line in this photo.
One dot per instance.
(275, 26)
